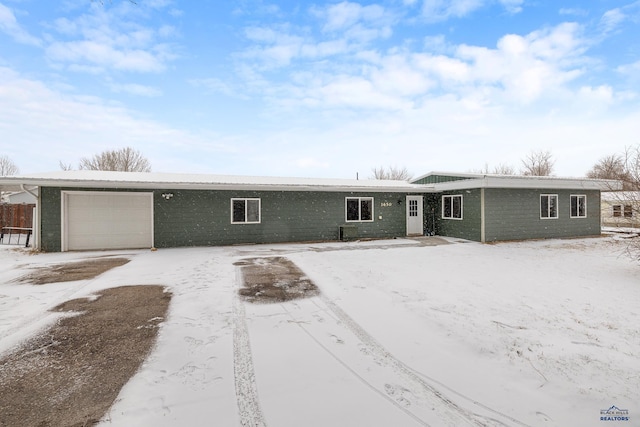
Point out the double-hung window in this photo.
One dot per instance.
(359, 209)
(452, 207)
(245, 211)
(548, 206)
(578, 206)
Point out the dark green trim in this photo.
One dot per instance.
(437, 179)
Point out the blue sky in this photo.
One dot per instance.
(319, 89)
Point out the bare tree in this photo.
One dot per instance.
(631, 176)
(538, 163)
(124, 160)
(65, 166)
(631, 183)
(500, 169)
(504, 169)
(610, 167)
(624, 167)
(7, 167)
(391, 172)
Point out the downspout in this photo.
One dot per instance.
(28, 191)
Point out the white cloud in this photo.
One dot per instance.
(573, 11)
(630, 70)
(57, 126)
(512, 6)
(611, 20)
(344, 15)
(441, 10)
(527, 67)
(520, 70)
(10, 26)
(110, 39)
(105, 55)
(215, 85)
(356, 22)
(135, 89)
(358, 92)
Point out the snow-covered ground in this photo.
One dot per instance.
(543, 333)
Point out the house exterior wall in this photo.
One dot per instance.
(469, 227)
(514, 214)
(50, 219)
(203, 217)
(195, 218)
(623, 199)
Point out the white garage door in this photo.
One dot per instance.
(107, 220)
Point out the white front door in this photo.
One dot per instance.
(415, 221)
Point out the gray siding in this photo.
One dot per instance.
(514, 214)
(196, 218)
(50, 219)
(469, 227)
(203, 218)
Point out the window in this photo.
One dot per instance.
(617, 210)
(452, 207)
(623, 211)
(413, 208)
(359, 209)
(548, 206)
(578, 206)
(245, 211)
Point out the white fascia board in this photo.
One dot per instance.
(366, 186)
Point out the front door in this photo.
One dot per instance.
(415, 221)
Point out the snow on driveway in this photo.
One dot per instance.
(539, 333)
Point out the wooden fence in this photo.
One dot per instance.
(19, 216)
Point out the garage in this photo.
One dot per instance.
(106, 220)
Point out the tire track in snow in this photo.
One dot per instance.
(354, 373)
(243, 370)
(448, 409)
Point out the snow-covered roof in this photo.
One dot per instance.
(473, 180)
(620, 196)
(154, 180)
(149, 180)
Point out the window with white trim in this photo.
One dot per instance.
(359, 209)
(578, 206)
(452, 206)
(245, 211)
(548, 206)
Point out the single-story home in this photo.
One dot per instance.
(83, 210)
(620, 209)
